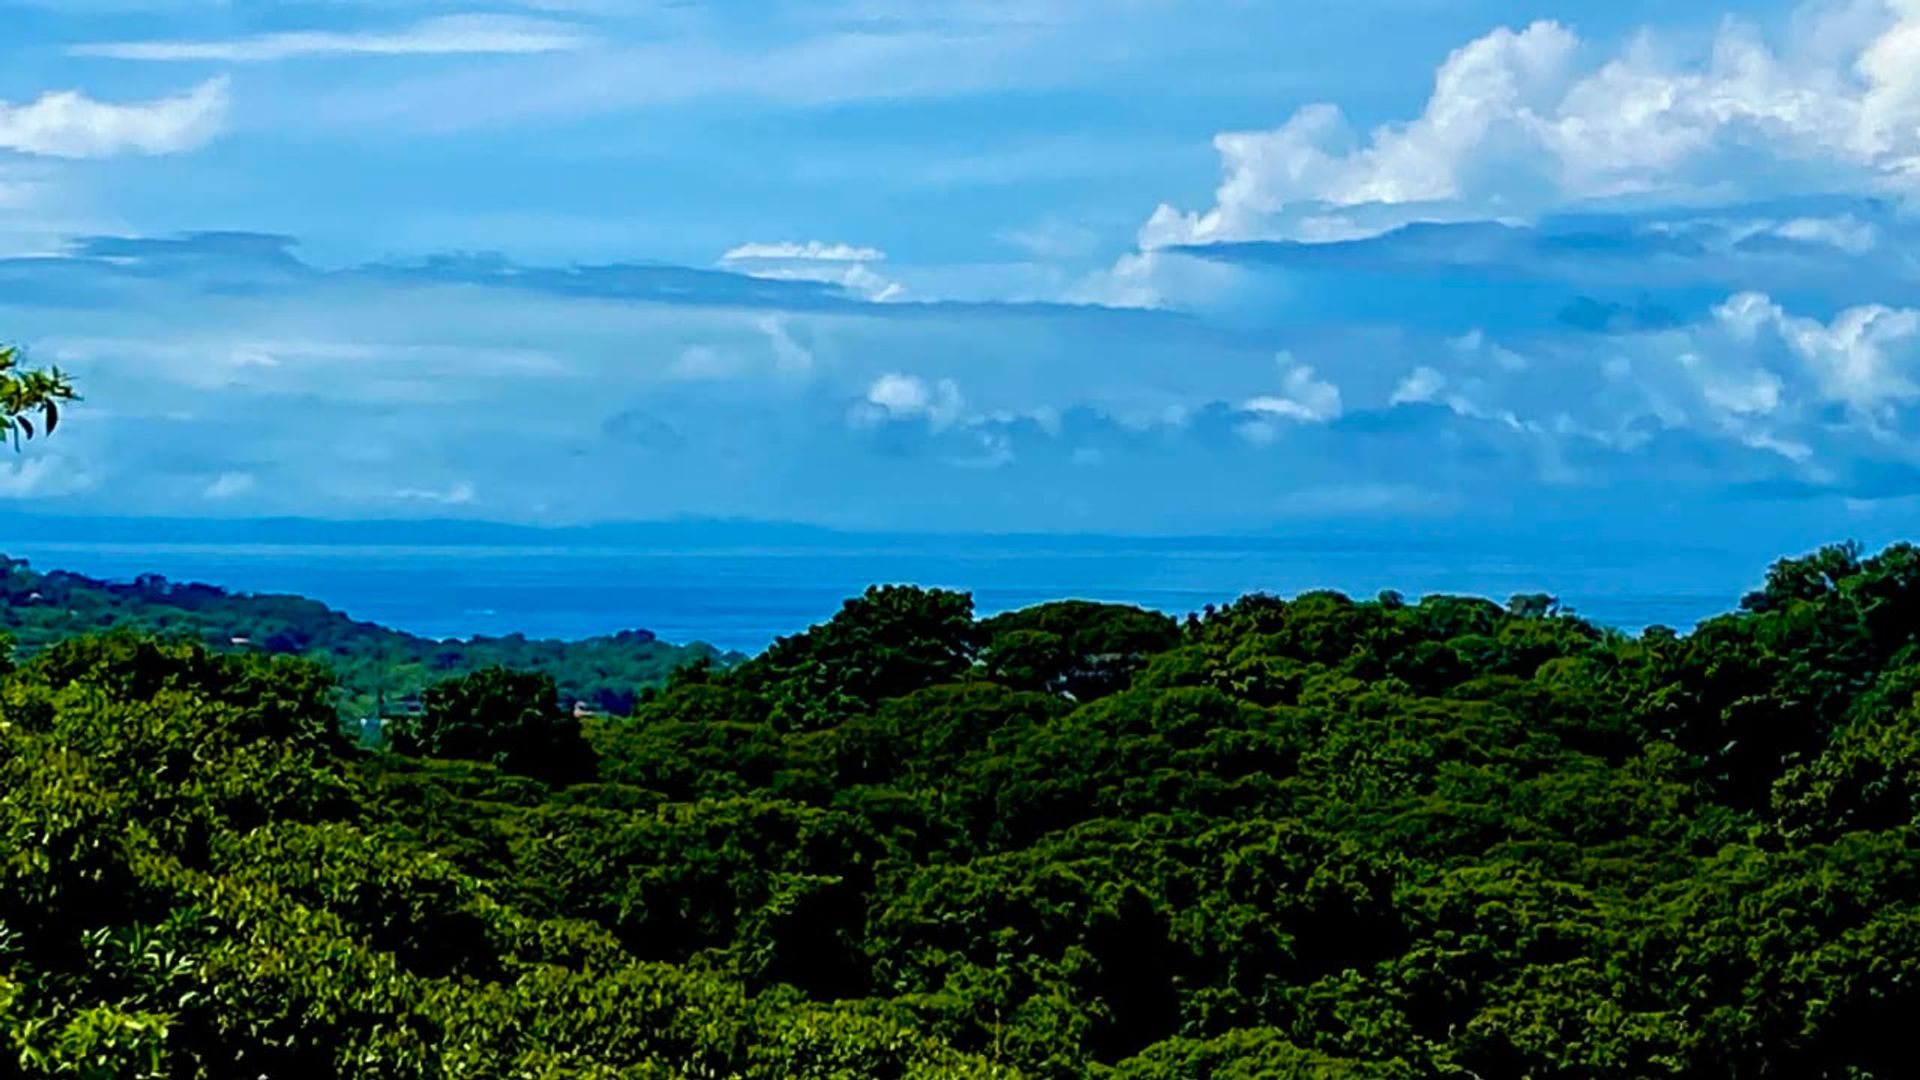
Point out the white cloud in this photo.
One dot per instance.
(896, 396)
(1303, 397)
(1814, 391)
(457, 34)
(229, 485)
(69, 124)
(1863, 359)
(43, 477)
(460, 494)
(812, 249)
(1739, 393)
(1306, 398)
(844, 265)
(1514, 126)
(789, 356)
(1149, 279)
(1421, 386)
(991, 450)
(1482, 373)
(1476, 346)
(1845, 233)
(855, 278)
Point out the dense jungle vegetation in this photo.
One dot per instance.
(370, 662)
(1315, 837)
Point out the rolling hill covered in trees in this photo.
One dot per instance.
(1317, 837)
(369, 661)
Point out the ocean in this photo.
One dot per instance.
(743, 596)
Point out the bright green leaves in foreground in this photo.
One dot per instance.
(1316, 838)
(30, 398)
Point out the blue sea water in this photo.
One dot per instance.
(743, 596)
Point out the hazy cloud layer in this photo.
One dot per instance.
(445, 36)
(226, 373)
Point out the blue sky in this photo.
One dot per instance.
(1137, 265)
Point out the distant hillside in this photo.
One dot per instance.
(39, 609)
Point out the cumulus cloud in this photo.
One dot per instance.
(1515, 125)
(1303, 396)
(1475, 376)
(451, 35)
(1862, 359)
(1824, 394)
(69, 124)
(897, 396)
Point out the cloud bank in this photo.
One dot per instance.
(225, 373)
(1519, 123)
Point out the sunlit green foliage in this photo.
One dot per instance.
(1314, 838)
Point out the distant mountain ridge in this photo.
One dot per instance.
(38, 609)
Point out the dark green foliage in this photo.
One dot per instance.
(891, 641)
(1074, 647)
(507, 718)
(1311, 838)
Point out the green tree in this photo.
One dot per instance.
(1076, 647)
(507, 718)
(889, 642)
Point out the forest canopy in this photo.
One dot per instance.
(1309, 837)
